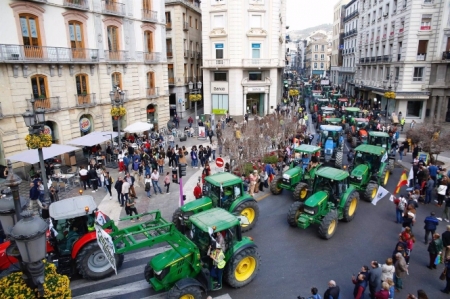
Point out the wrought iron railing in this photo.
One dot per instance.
(116, 56)
(85, 100)
(77, 4)
(149, 15)
(49, 104)
(113, 8)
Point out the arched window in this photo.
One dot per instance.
(116, 79)
(40, 91)
(76, 39)
(30, 35)
(151, 90)
(113, 38)
(148, 41)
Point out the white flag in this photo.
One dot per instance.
(380, 194)
(410, 177)
(391, 198)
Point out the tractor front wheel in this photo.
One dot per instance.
(242, 268)
(328, 225)
(249, 209)
(295, 211)
(275, 187)
(339, 159)
(354, 141)
(371, 192)
(385, 177)
(176, 219)
(301, 192)
(350, 206)
(191, 292)
(148, 272)
(391, 165)
(92, 263)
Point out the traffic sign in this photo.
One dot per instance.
(219, 162)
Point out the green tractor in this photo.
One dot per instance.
(298, 176)
(184, 269)
(369, 170)
(333, 200)
(349, 113)
(223, 190)
(384, 140)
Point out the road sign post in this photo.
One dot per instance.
(220, 163)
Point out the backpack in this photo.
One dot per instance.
(401, 205)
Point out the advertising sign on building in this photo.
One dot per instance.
(106, 244)
(85, 124)
(48, 130)
(219, 87)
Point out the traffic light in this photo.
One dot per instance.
(174, 175)
(182, 169)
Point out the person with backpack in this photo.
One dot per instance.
(400, 204)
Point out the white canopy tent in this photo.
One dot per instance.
(93, 138)
(31, 156)
(138, 127)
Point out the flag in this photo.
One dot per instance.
(391, 198)
(411, 177)
(380, 194)
(403, 181)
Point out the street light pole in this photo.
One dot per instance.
(117, 98)
(195, 88)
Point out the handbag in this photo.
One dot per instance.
(443, 274)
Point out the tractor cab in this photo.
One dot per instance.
(335, 97)
(303, 156)
(224, 189)
(349, 113)
(332, 121)
(327, 111)
(342, 102)
(331, 141)
(380, 139)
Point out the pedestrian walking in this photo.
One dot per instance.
(161, 165)
(314, 294)
(131, 205)
(124, 192)
(360, 282)
(400, 270)
(374, 279)
(446, 244)
(93, 177)
(400, 205)
(197, 191)
(387, 270)
(130, 179)
(429, 190)
(108, 181)
(434, 249)
(84, 177)
(148, 184)
(441, 191)
(155, 181)
(118, 187)
(333, 291)
(383, 293)
(167, 182)
(431, 223)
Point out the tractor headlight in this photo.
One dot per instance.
(286, 176)
(352, 176)
(359, 178)
(186, 217)
(309, 211)
(158, 272)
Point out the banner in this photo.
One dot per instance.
(380, 194)
(201, 132)
(403, 181)
(411, 177)
(105, 242)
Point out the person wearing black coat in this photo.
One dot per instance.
(118, 187)
(332, 292)
(92, 173)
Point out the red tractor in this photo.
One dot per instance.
(71, 240)
(357, 134)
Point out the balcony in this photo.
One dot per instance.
(421, 57)
(19, 53)
(169, 26)
(384, 37)
(185, 26)
(149, 15)
(379, 59)
(152, 92)
(399, 57)
(373, 59)
(116, 56)
(113, 8)
(186, 53)
(350, 69)
(400, 31)
(391, 35)
(192, 54)
(355, 13)
(361, 60)
(387, 58)
(199, 55)
(152, 57)
(77, 4)
(446, 55)
(425, 28)
(171, 80)
(217, 62)
(256, 62)
(50, 104)
(169, 53)
(85, 100)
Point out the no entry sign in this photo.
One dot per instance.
(219, 162)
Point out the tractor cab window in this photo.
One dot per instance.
(341, 188)
(359, 159)
(212, 192)
(201, 239)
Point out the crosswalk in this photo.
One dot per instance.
(129, 283)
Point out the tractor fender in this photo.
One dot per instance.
(239, 201)
(188, 282)
(83, 240)
(198, 205)
(241, 248)
(344, 197)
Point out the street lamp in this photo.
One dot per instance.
(117, 98)
(388, 93)
(195, 89)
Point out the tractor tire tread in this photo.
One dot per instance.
(292, 213)
(248, 204)
(232, 263)
(298, 189)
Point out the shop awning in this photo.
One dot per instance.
(138, 127)
(32, 156)
(93, 138)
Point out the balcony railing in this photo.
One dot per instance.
(186, 53)
(169, 52)
(199, 55)
(387, 58)
(20, 53)
(373, 59)
(116, 56)
(425, 28)
(446, 55)
(192, 53)
(350, 16)
(113, 8)
(77, 4)
(217, 62)
(348, 69)
(255, 62)
(48, 104)
(85, 100)
(171, 80)
(152, 57)
(169, 26)
(399, 57)
(149, 15)
(361, 60)
(185, 26)
(379, 58)
(152, 92)
(421, 57)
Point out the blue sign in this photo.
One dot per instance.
(180, 101)
(341, 47)
(219, 46)
(256, 46)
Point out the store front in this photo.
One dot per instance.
(86, 124)
(152, 115)
(51, 128)
(219, 98)
(255, 103)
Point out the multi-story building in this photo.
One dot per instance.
(291, 56)
(69, 55)
(301, 50)
(243, 55)
(337, 42)
(350, 51)
(184, 50)
(395, 39)
(317, 58)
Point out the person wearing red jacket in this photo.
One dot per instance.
(198, 191)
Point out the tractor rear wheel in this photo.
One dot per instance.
(385, 177)
(391, 165)
(301, 192)
(351, 205)
(242, 268)
(328, 225)
(190, 292)
(275, 185)
(339, 159)
(176, 219)
(295, 211)
(92, 263)
(370, 192)
(249, 209)
(148, 272)
(354, 141)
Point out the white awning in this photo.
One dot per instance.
(93, 138)
(138, 127)
(32, 156)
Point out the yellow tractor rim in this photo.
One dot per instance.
(245, 268)
(249, 213)
(374, 192)
(187, 296)
(277, 185)
(332, 227)
(303, 193)
(386, 178)
(352, 208)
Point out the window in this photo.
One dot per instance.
(148, 41)
(316, 48)
(30, 35)
(190, 21)
(146, 5)
(39, 87)
(414, 108)
(151, 83)
(256, 50)
(219, 51)
(422, 50)
(426, 22)
(220, 76)
(315, 65)
(219, 103)
(315, 56)
(168, 20)
(397, 73)
(196, 24)
(255, 21)
(323, 48)
(418, 74)
(321, 65)
(218, 21)
(116, 80)
(169, 47)
(81, 82)
(388, 72)
(322, 57)
(254, 76)
(113, 38)
(76, 35)
(170, 73)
